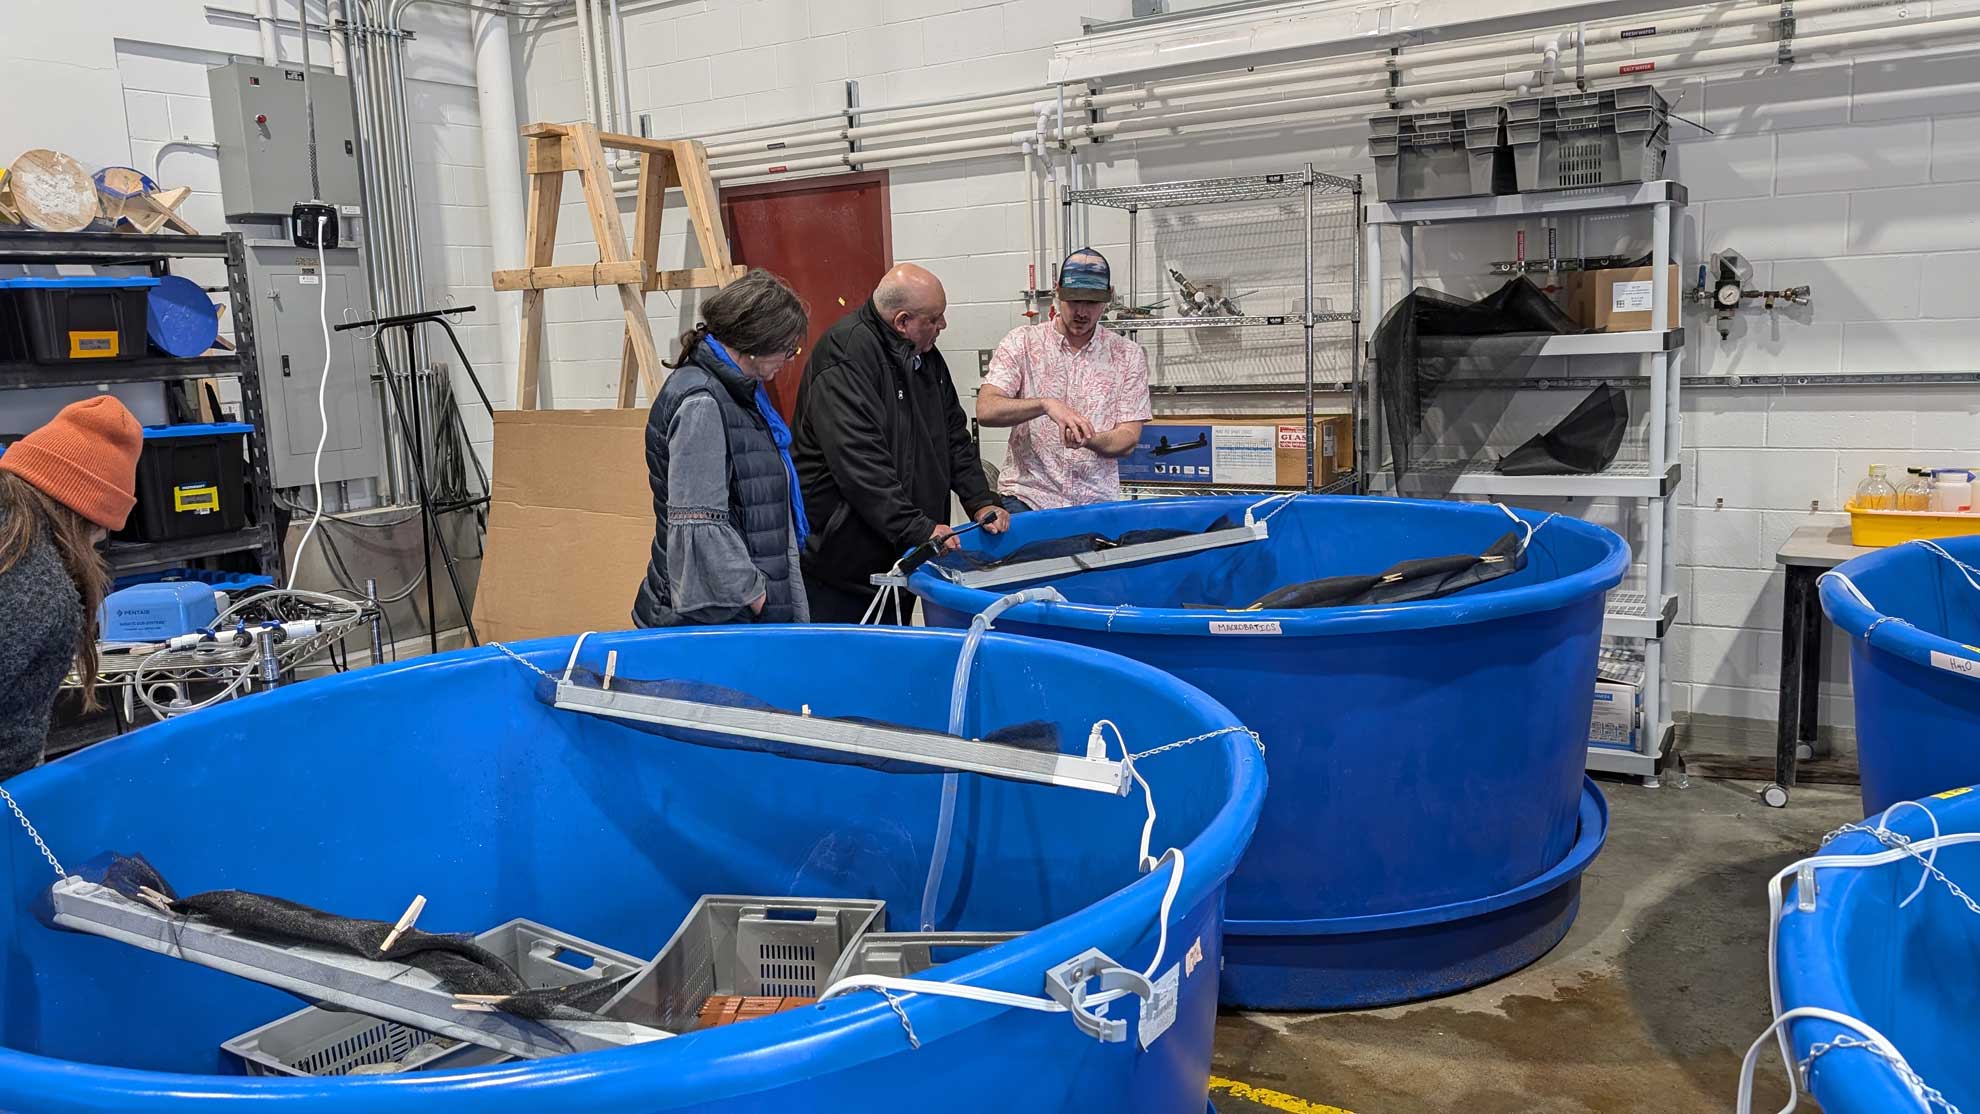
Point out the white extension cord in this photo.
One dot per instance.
(322, 404)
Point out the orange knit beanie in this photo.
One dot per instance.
(85, 459)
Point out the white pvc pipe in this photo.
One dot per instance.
(619, 67)
(339, 63)
(1030, 220)
(502, 171)
(264, 22)
(585, 49)
(601, 66)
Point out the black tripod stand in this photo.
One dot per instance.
(411, 421)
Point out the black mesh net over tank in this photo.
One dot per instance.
(1421, 578)
(1449, 368)
(461, 965)
(1074, 545)
(1035, 735)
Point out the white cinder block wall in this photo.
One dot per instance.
(128, 88)
(1861, 179)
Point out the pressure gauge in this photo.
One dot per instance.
(1729, 294)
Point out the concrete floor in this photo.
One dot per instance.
(1647, 1005)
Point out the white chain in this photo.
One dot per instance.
(530, 665)
(34, 835)
(1181, 743)
(894, 1004)
(1918, 1086)
(1901, 842)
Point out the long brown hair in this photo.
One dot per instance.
(29, 516)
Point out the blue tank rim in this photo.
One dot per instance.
(1592, 819)
(725, 1062)
(1809, 943)
(1897, 637)
(1457, 610)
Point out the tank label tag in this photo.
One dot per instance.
(1952, 664)
(1248, 626)
(1951, 793)
(1159, 1012)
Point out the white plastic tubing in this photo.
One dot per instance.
(1341, 88)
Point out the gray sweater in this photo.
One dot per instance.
(40, 616)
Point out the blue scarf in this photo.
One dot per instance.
(780, 433)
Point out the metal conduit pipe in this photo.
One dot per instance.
(1026, 96)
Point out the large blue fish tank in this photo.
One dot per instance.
(1913, 616)
(452, 777)
(1429, 819)
(1891, 958)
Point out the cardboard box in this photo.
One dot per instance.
(1239, 451)
(1616, 299)
(570, 524)
(1617, 709)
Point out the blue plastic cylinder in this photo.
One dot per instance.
(180, 319)
(1430, 820)
(448, 777)
(1914, 667)
(1911, 973)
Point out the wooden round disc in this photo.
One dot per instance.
(52, 191)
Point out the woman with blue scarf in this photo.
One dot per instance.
(729, 518)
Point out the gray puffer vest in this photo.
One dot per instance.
(759, 488)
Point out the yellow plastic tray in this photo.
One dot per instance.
(1881, 528)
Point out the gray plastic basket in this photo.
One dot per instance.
(902, 954)
(779, 947)
(1604, 138)
(317, 1041)
(1422, 156)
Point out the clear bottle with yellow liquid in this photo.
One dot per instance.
(1875, 493)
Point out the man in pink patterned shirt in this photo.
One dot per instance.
(1076, 393)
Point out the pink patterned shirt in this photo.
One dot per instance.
(1107, 382)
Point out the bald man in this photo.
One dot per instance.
(880, 442)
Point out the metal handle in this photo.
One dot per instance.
(1067, 984)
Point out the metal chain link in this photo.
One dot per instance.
(914, 1041)
(1181, 743)
(1925, 1091)
(528, 664)
(1898, 841)
(34, 835)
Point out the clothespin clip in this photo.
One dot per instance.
(611, 667)
(406, 920)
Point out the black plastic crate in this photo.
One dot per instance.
(73, 317)
(190, 482)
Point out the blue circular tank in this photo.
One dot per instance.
(448, 777)
(1909, 971)
(1912, 665)
(1430, 819)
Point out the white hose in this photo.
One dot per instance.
(322, 403)
(945, 821)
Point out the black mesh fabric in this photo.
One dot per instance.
(1035, 735)
(461, 965)
(1585, 441)
(1421, 578)
(1073, 545)
(1447, 369)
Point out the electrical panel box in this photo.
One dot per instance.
(291, 294)
(261, 123)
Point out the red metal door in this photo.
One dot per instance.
(830, 238)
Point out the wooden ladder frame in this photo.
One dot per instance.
(555, 149)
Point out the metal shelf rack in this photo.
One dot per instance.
(155, 253)
(1644, 614)
(1305, 189)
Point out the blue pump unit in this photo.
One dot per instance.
(150, 612)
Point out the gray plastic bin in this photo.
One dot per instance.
(317, 1041)
(1422, 156)
(1603, 138)
(779, 947)
(900, 955)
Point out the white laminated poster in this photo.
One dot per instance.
(1244, 455)
(1631, 297)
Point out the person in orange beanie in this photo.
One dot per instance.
(63, 488)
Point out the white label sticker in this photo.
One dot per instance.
(1956, 665)
(1159, 1012)
(1241, 454)
(1631, 297)
(1244, 626)
(348, 210)
(307, 280)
